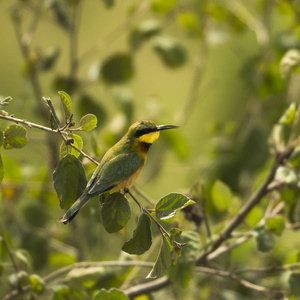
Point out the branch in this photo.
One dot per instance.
(253, 201)
(48, 129)
(246, 236)
(233, 276)
(54, 275)
(148, 287)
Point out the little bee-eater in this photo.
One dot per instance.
(120, 166)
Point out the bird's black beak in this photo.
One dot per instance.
(164, 127)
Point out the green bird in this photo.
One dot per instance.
(120, 166)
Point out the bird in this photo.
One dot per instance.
(120, 166)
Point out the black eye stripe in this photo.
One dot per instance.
(143, 131)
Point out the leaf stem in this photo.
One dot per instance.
(161, 228)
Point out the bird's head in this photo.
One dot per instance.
(147, 131)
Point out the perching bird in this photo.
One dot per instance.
(120, 166)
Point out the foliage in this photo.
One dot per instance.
(233, 233)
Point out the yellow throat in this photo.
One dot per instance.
(149, 137)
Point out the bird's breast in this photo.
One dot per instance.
(129, 181)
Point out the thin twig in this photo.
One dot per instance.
(143, 195)
(143, 209)
(48, 129)
(283, 268)
(231, 275)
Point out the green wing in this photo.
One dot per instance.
(113, 171)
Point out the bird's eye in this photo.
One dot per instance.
(143, 131)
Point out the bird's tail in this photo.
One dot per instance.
(74, 209)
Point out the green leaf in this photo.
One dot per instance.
(163, 6)
(20, 279)
(112, 294)
(69, 180)
(141, 240)
(61, 292)
(108, 3)
(3, 112)
(254, 216)
(37, 283)
(66, 103)
(289, 115)
(143, 32)
(61, 259)
(167, 206)
(287, 175)
(118, 68)
(189, 21)
(5, 101)
(170, 51)
(88, 122)
(276, 224)
(280, 136)
(77, 142)
(164, 260)
(115, 212)
(294, 283)
(183, 271)
(289, 62)
(264, 240)
(49, 59)
(1, 169)
(15, 136)
(23, 259)
(54, 121)
(221, 195)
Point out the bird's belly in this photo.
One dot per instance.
(129, 181)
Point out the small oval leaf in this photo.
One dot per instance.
(69, 180)
(66, 103)
(167, 206)
(15, 136)
(289, 62)
(37, 283)
(118, 68)
(142, 239)
(172, 53)
(88, 122)
(115, 212)
(221, 195)
(265, 240)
